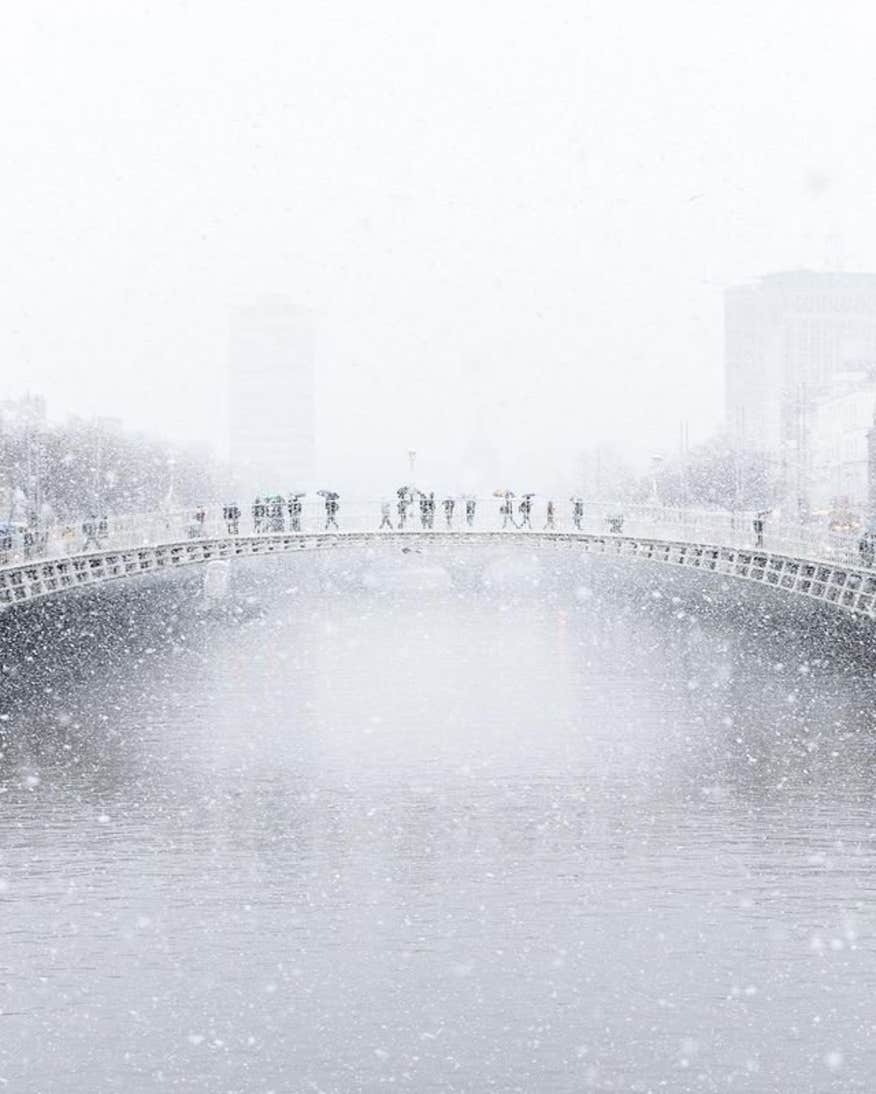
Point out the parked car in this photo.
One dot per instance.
(844, 521)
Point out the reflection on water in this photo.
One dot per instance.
(442, 840)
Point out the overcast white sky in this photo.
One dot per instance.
(530, 205)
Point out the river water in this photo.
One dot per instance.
(400, 831)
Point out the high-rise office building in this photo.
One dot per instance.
(789, 337)
(271, 406)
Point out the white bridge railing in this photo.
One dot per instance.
(713, 527)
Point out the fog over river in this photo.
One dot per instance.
(405, 824)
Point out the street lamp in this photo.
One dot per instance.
(656, 461)
(171, 471)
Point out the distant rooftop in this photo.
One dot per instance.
(818, 280)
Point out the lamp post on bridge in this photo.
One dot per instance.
(656, 461)
(171, 483)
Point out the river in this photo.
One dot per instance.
(376, 830)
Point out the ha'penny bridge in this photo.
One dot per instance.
(795, 560)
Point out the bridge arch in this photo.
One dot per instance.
(847, 588)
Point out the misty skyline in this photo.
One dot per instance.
(495, 218)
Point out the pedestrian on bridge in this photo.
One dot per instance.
(331, 508)
(424, 509)
(275, 514)
(506, 509)
(449, 505)
(577, 511)
(758, 524)
(231, 516)
(89, 531)
(616, 520)
(524, 510)
(404, 500)
(294, 507)
(867, 546)
(258, 515)
(549, 524)
(196, 527)
(470, 505)
(385, 522)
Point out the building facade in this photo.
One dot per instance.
(22, 456)
(272, 399)
(871, 473)
(840, 421)
(788, 337)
